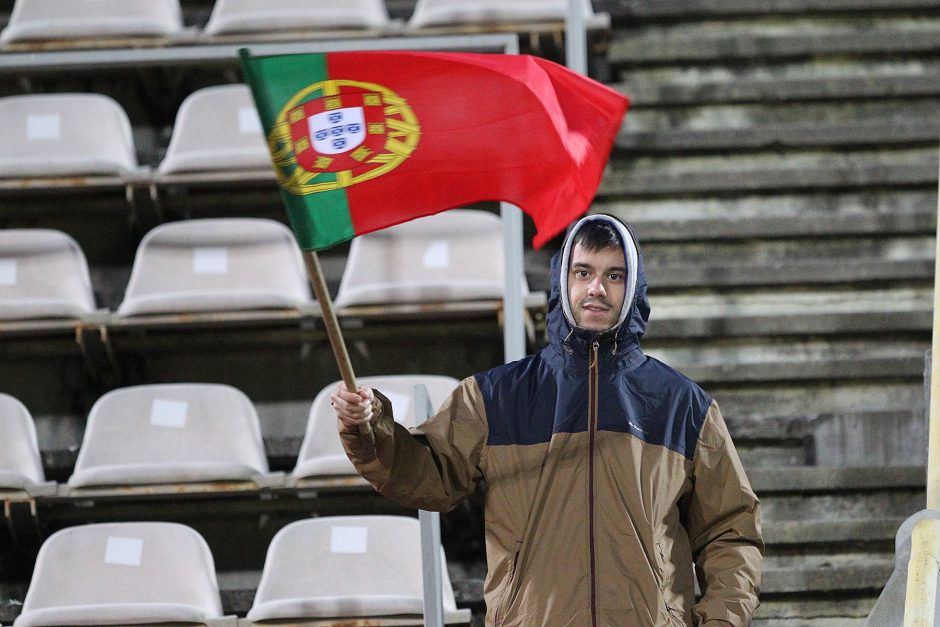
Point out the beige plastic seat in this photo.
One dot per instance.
(322, 455)
(347, 567)
(131, 573)
(456, 255)
(20, 464)
(253, 16)
(44, 20)
(218, 264)
(47, 135)
(217, 129)
(475, 12)
(170, 433)
(43, 274)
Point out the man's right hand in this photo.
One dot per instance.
(352, 408)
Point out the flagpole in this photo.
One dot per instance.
(332, 329)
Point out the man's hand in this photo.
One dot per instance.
(352, 408)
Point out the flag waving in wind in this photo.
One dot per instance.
(365, 140)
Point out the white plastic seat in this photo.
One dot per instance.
(322, 454)
(475, 12)
(20, 464)
(170, 433)
(456, 255)
(347, 567)
(131, 573)
(243, 16)
(218, 264)
(47, 135)
(43, 274)
(217, 129)
(44, 20)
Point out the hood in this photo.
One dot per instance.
(635, 314)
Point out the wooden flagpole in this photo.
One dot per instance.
(332, 329)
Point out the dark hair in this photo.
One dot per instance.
(597, 235)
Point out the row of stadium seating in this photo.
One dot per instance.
(46, 20)
(186, 433)
(239, 264)
(343, 568)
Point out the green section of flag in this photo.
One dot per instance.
(319, 220)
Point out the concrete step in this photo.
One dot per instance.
(702, 42)
(650, 10)
(820, 81)
(785, 403)
(742, 129)
(790, 313)
(834, 621)
(835, 611)
(808, 480)
(876, 212)
(813, 362)
(766, 172)
(817, 575)
(800, 534)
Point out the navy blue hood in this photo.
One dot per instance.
(625, 336)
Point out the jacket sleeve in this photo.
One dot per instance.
(432, 467)
(723, 522)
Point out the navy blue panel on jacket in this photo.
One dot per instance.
(528, 400)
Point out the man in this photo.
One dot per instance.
(608, 473)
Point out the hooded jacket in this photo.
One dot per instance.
(608, 475)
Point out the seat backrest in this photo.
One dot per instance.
(170, 433)
(45, 135)
(20, 464)
(43, 274)
(344, 567)
(456, 255)
(244, 16)
(44, 20)
(321, 453)
(461, 12)
(217, 128)
(218, 264)
(122, 573)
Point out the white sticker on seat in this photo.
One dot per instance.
(248, 121)
(400, 405)
(7, 272)
(170, 414)
(46, 127)
(348, 539)
(210, 260)
(436, 256)
(124, 551)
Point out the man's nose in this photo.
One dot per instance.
(596, 288)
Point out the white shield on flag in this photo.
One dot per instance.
(337, 131)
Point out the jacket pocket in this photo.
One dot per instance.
(501, 605)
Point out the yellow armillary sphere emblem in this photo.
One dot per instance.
(338, 133)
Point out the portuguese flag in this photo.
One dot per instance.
(361, 141)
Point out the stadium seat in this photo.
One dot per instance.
(43, 274)
(253, 16)
(456, 255)
(132, 573)
(476, 12)
(20, 465)
(217, 129)
(49, 135)
(347, 567)
(170, 433)
(45, 20)
(219, 264)
(322, 455)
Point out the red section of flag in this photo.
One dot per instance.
(493, 127)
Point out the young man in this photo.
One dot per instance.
(608, 473)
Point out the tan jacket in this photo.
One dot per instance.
(608, 475)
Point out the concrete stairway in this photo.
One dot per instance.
(779, 165)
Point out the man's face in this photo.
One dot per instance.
(596, 287)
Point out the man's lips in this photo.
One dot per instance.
(595, 308)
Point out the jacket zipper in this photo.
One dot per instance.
(592, 428)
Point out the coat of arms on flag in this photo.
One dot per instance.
(336, 133)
